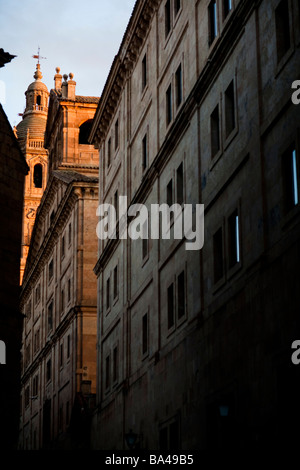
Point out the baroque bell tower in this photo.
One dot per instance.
(30, 133)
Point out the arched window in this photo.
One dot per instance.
(84, 131)
(38, 100)
(38, 176)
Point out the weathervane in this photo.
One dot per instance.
(37, 56)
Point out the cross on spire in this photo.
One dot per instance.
(38, 56)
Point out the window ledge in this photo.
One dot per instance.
(283, 61)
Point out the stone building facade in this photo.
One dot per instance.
(30, 133)
(13, 169)
(59, 294)
(194, 347)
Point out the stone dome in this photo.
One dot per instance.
(33, 124)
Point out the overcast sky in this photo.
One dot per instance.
(79, 36)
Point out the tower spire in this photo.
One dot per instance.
(38, 56)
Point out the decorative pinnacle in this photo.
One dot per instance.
(71, 75)
(65, 77)
(38, 74)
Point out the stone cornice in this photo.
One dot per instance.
(122, 67)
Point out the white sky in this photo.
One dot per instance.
(79, 36)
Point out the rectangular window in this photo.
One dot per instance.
(50, 317)
(38, 293)
(35, 385)
(115, 364)
(52, 215)
(68, 346)
(145, 243)
(282, 29)
(116, 204)
(290, 178)
(144, 72)
(107, 372)
(116, 282)
(69, 290)
(116, 134)
(50, 270)
(144, 152)
(62, 301)
(48, 370)
(26, 401)
(177, 6)
(181, 295)
(233, 239)
(170, 193)
(37, 340)
(169, 105)
(227, 7)
(168, 18)
(215, 131)
(107, 293)
(145, 333)
(229, 109)
(179, 184)
(63, 247)
(61, 356)
(28, 310)
(218, 255)
(70, 234)
(108, 152)
(170, 297)
(213, 20)
(178, 85)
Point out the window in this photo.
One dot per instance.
(50, 316)
(218, 255)
(178, 85)
(169, 436)
(107, 372)
(144, 72)
(108, 152)
(282, 29)
(107, 293)
(169, 105)
(115, 364)
(38, 176)
(48, 370)
(70, 234)
(213, 21)
(68, 346)
(116, 204)
(84, 132)
(215, 131)
(69, 290)
(170, 297)
(229, 109)
(35, 386)
(145, 243)
(116, 134)
(50, 270)
(290, 178)
(62, 301)
(38, 100)
(26, 396)
(52, 215)
(168, 18)
(63, 247)
(145, 334)
(177, 6)
(36, 344)
(170, 193)
(227, 7)
(233, 239)
(144, 152)
(38, 294)
(116, 282)
(179, 184)
(61, 355)
(28, 310)
(181, 295)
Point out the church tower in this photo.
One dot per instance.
(30, 133)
